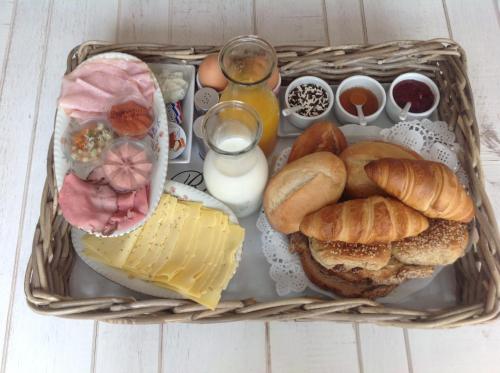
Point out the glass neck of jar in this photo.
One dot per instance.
(253, 86)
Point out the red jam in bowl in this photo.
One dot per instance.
(418, 93)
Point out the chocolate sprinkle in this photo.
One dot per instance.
(313, 97)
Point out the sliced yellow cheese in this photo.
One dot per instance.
(149, 231)
(164, 223)
(187, 235)
(202, 278)
(113, 250)
(202, 246)
(225, 270)
(180, 217)
(210, 300)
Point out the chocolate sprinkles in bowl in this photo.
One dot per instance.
(312, 97)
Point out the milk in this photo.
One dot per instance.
(238, 180)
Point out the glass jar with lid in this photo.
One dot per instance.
(248, 62)
(235, 168)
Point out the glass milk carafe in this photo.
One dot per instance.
(235, 168)
(248, 62)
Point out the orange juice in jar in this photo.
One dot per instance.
(248, 62)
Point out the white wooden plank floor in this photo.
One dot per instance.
(35, 37)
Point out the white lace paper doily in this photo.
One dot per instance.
(433, 140)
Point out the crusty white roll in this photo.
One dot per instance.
(323, 136)
(301, 187)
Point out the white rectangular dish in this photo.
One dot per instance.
(187, 103)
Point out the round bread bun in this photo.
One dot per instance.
(358, 155)
(328, 280)
(302, 187)
(319, 137)
(442, 243)
(393, 273)
(350, 255)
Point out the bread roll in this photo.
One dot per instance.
(393, 273)
(321, 136)
(301, 187)
(358, 155)
(367, 220)
(443, 243)
(350, 255)
(328, 280)
(429, 187)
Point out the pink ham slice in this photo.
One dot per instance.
(132, 208)
(86, 205)
(92, 89)
(98, 208)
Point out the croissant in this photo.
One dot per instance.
(366, 221)
(429, 187)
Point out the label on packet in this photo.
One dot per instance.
(174, 112)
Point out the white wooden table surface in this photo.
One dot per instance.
(35, 37)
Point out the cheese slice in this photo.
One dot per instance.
(211, 266)
(180, 217)
(225, 270)
(114, 251)
(183, 245)
(202, 246)
(149, 231)
(156, 243)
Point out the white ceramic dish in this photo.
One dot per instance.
(158, 134)
(180, 191)
(301, 121)
(187, 103)
(359, 81)
(393, 110)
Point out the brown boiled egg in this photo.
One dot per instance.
(210, 74)
(274, 78)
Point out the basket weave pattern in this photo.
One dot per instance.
(477, 273)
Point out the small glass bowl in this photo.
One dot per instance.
(85, 143)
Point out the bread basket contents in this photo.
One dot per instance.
(429, 187)
(301, 187)
(356, 156)
(184, 247)
(366, 220)
(369, 220)
(321, 136)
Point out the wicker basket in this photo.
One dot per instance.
(477, 274)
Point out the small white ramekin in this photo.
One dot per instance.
(393, 110)
(365, 82)
(301, 121)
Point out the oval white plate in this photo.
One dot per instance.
(178, 190)
(158, 136)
